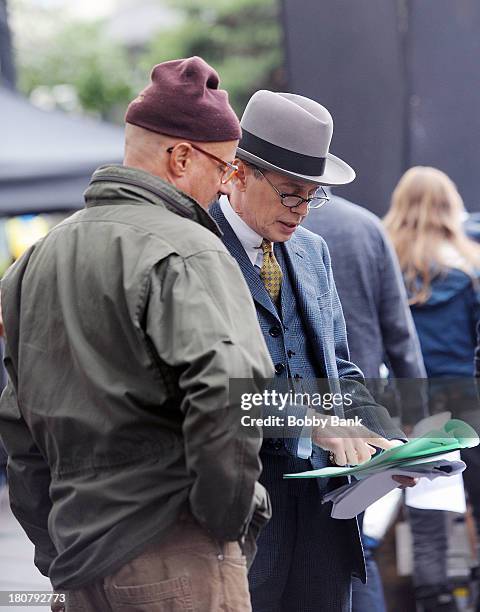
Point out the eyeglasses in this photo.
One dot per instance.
(291, 200)
(228, 170)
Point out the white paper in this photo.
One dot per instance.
(439, 494)
(381, 514)
(351, 499)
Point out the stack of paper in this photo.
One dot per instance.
(418, 458)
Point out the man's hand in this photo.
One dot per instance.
(355, 445)
(350, 445)
(405, 481)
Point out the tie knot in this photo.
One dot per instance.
(267, 246)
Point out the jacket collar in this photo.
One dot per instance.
(117, 185)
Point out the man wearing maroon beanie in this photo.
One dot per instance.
(123, 327)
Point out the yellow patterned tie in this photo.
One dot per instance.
(270, 272)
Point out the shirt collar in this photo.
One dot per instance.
(249, 239)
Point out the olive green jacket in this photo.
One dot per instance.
(123, 327)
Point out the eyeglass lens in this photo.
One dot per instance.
(293, 201)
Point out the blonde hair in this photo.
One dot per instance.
(425, 216)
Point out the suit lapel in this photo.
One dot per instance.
(287, 296)
(233, 244)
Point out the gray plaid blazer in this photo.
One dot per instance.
(315, 297)
(316, 300)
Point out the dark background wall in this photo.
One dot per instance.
(402, 81)
(445, 92)
(7, 69)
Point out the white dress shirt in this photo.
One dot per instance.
(249, 239)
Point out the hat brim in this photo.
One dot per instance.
(337, 172)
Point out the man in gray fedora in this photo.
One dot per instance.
(305, 559)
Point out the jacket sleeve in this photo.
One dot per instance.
(398, 330)
(202, 323)
(28, 472)
(342, 354)
(28, 479)
(402, 347)
(351, 381)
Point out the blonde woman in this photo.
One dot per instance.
(440, 266)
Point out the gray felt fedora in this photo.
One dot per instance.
(290, 134)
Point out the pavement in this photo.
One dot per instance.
(17, 571)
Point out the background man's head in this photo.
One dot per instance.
(284, 153)
(182, 128)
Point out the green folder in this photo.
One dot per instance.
(454, 435)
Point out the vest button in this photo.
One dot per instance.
(279, 368)
(290, 353)
(275, 331)
(277, 445)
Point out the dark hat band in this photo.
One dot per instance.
(283, 158)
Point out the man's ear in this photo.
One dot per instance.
(240, 177)
(180, 158)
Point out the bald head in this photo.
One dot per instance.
(176, 161)
(147, 150)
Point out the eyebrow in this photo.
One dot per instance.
(287, 185)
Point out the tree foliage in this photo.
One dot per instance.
(97, 68)
(241, 40)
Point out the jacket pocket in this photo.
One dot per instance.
(172, 595)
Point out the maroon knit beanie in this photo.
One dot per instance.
(183, 100)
